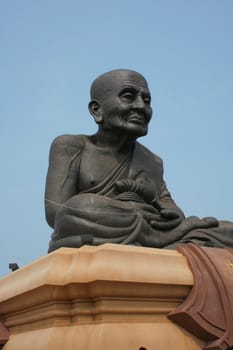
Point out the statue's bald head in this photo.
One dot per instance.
(108, 82)
(116, 96)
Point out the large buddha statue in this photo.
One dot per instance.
(107, 187)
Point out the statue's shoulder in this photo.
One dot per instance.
(67, 144)
(69, 140)
(147, 154)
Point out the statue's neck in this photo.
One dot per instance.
(114, 141)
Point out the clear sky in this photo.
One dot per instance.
(50, 52)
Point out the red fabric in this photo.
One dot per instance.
(208, 310)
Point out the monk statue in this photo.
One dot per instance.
(107, 187)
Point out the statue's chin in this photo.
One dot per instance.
(134, 129)
(131, 130)
(138, 132)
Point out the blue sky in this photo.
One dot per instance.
(50, 53)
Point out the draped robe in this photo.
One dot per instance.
(101, 214)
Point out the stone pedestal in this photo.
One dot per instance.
(98, 298)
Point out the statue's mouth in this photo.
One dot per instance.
(137, 119)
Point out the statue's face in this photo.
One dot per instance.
(125, 106)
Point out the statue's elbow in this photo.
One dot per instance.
(50, 214)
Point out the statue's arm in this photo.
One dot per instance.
(166, 201)
(62, 177)
(170, 214)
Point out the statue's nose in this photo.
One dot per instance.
(139, 103)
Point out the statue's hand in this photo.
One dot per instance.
(129, 185)
(169, 219)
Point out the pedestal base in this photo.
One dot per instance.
(107, 297)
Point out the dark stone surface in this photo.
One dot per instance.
(107, 187)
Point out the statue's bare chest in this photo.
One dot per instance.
(95, 167)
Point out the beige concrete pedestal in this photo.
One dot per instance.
(111, 297)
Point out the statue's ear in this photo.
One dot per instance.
(95, 110)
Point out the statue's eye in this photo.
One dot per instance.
(127, 96)
(147, 99)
